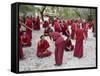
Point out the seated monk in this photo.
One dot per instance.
(68, 45)
(25, 40)
(42, 47)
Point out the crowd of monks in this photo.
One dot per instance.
(72, 29)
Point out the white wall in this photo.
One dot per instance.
(5, 24)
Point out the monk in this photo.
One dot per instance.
(68, 44)
(67, 33)
(64, 27)
(86, 26)
(73, 29)
(47, 30)
(21, 55)
(78, 51)
(57, 27)
(25, 40)
(38, 23)
(59, 47)
(34, 22)
(69, 21)
(42, 47)
(28, 23)
(46, 24)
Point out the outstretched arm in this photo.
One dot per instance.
(24, 25)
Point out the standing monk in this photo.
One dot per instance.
(28, 23)
(57, 27)
(78, 51)
(64, 26)
(85, 27)
(73, 29)
(59, 47)
(42, 47)
(38, 23)
(21, 55)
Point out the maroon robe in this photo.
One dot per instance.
(73, 28)
(25, 40)
(46, 24)
(59, 47)
(57, 27)
(67, 33)
(69, 22)
(47, 30)
(64, 26)
(37, 25)
(86, 29)
(28, 23)
(21, 55)
(34, 22)
(42, 47)
(78, 51)
(68, 45)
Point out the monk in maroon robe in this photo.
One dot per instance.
(59, 47)
(73, 28)
(28, 23)
(47, 30)
(69, 22)
(67, 33)
(21, 55)
(42, 47)
(57, 27)
(68, 45)
(78, 51)
(34, 22)
(25, 40)
(64, 26)
(37, 27)
(86, 29)
(45, 24)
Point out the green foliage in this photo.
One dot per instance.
(26, 8)
(61, 12)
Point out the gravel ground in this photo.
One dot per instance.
(32, 62)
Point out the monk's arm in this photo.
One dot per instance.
(24, 25)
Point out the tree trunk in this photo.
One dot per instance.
(41, 13)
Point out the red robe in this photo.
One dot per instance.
(37, 25)
(21, 55)
(67, 33)
(46, 31)
(69, 22)
(57, 27)
(25, 40)
(78, 51)
(64, 27)
(68, 45)
(34, 22)
(59, 47)
(73, 28)
(86, 29)
(46, 24)
(42, 47)
(29, 24)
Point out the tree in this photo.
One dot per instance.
(41, 10)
